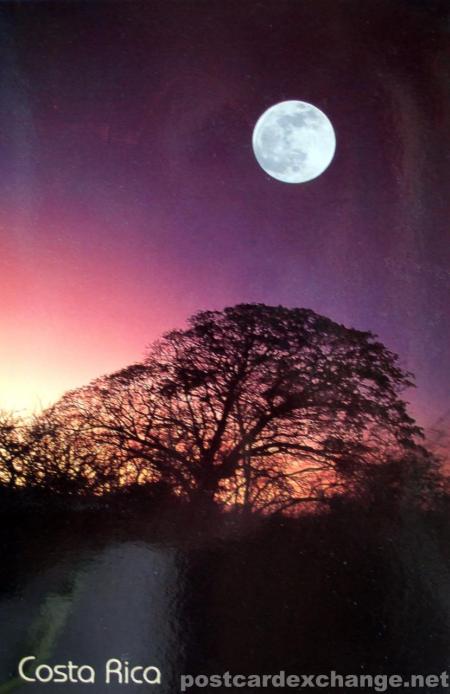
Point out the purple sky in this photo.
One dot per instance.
(130, 197)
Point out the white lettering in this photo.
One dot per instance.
(113, 667)
(157, 675)
(89, 677)
(44, 673)
(22, 674)
(60, 674)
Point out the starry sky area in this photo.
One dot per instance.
(130, 197)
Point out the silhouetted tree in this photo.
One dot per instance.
(410, 482)
(266, 407)
(13, 450)
(63, 458)
(438, 438)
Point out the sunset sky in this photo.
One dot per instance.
(130, 196)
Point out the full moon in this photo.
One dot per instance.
(294, 141)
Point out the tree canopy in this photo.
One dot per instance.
(263, 406)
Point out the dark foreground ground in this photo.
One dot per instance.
(352, 589)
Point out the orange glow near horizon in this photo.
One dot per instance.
(74, 307)
(68, 315)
